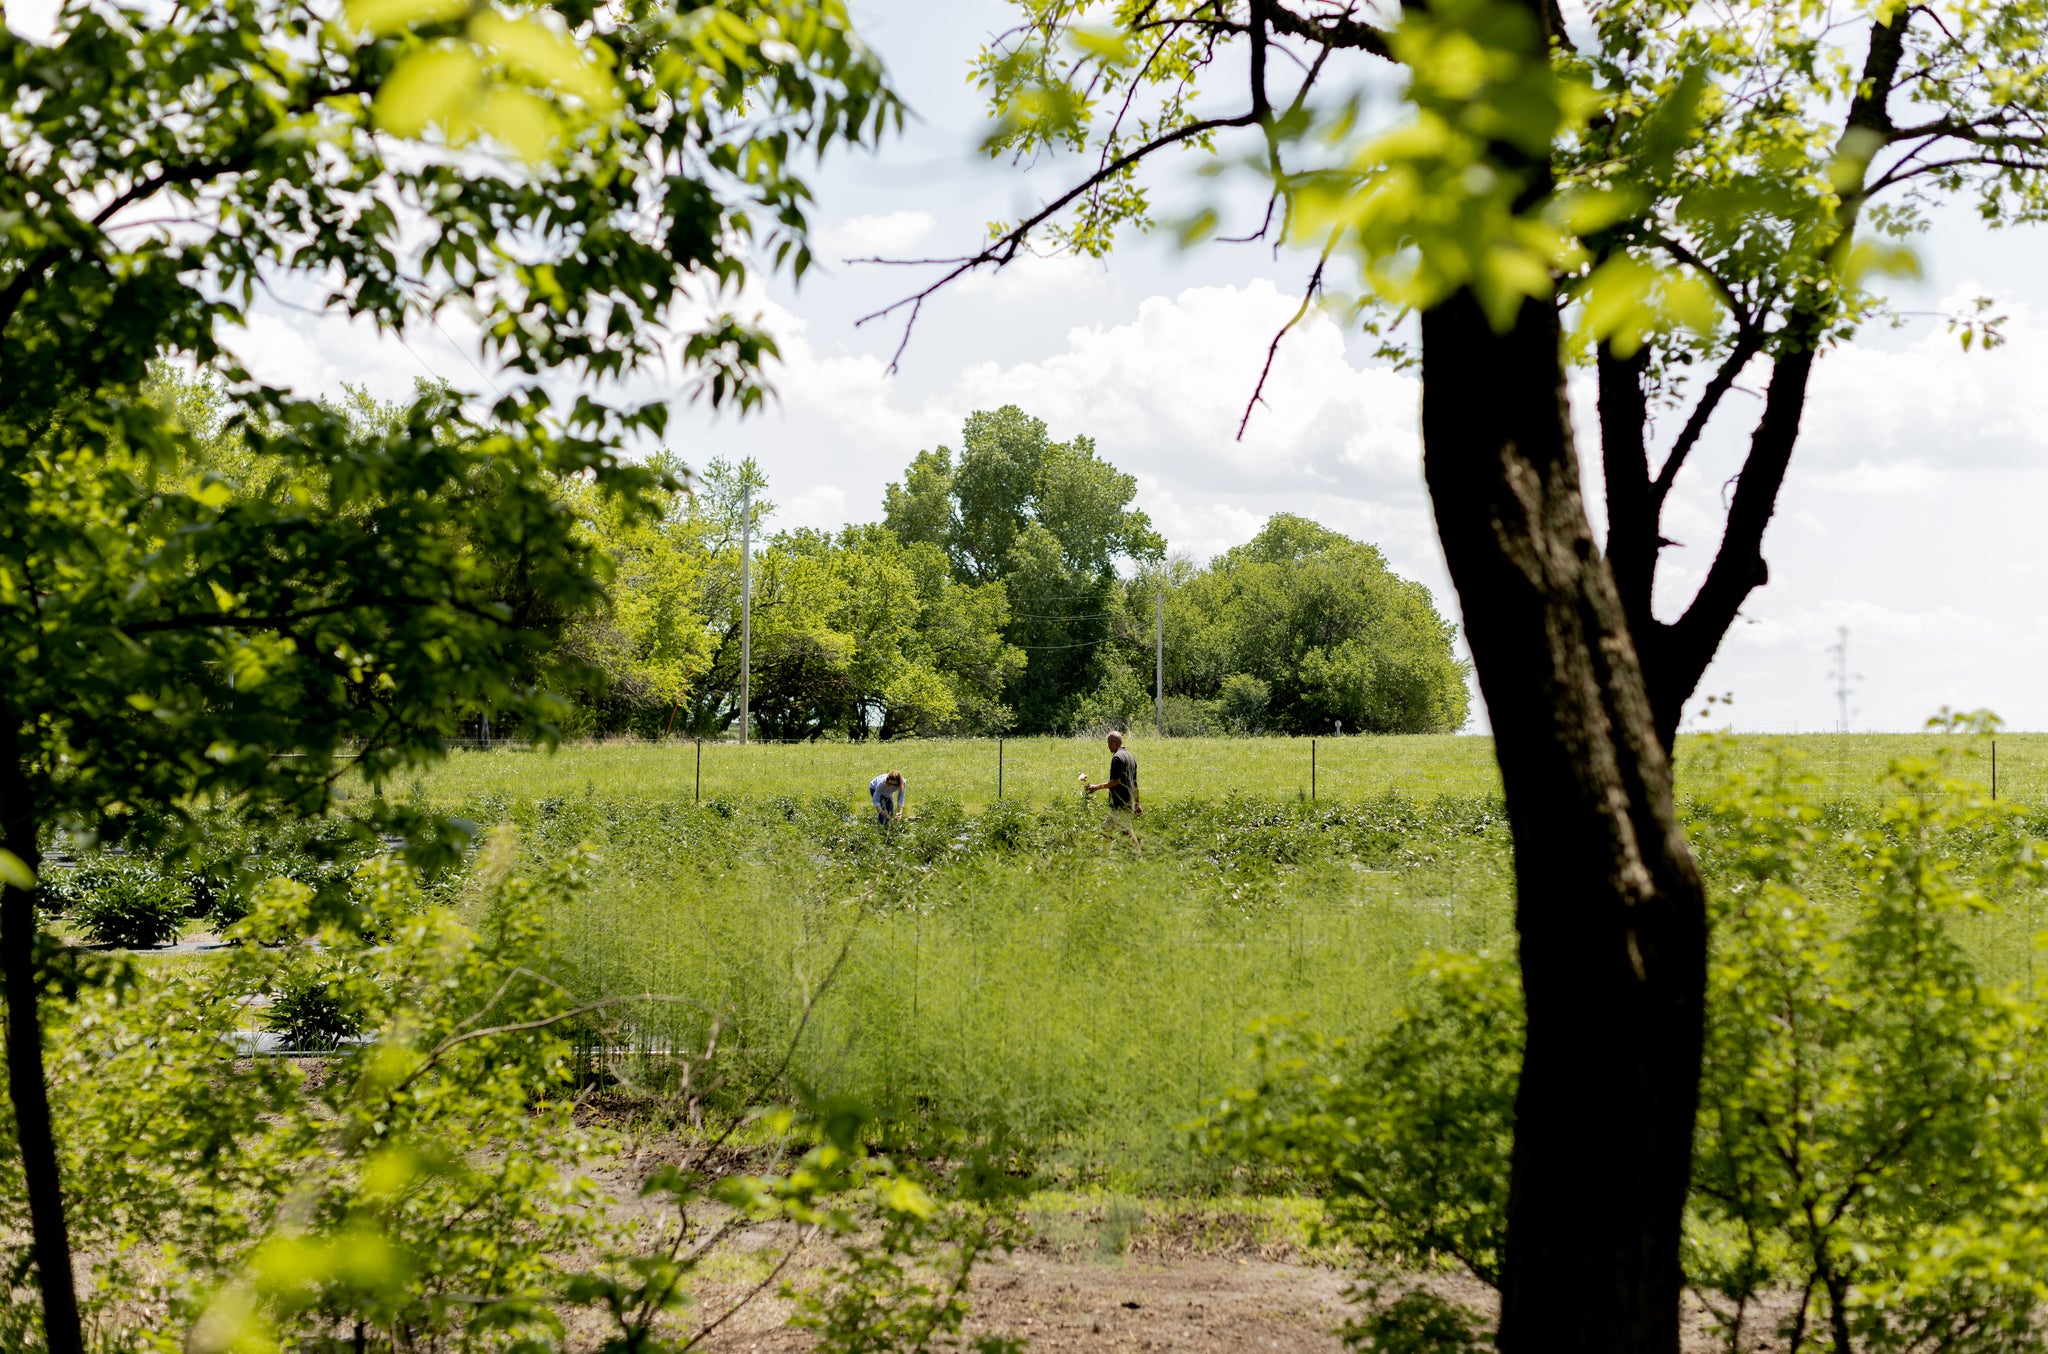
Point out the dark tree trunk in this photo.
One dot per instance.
(26, 1088)
(1610, 907)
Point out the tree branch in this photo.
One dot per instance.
(1747, 345)
(1004, 249)
(1315, 285)
(1336, 31)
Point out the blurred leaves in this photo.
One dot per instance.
(513, 79)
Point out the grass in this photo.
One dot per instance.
(1002, 975)
(990, 970)
(1042, 770)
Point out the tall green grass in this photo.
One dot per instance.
(991, 968)
(1002, 973)
(1042, 770)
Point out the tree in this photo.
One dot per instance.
(858, 634)
(1050, 520)
(172, 629)
(1699, 190)
(727, 509)
(1319, 630)
(649, 645)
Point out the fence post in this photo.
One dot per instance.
(1311, 768)
(1994, 770)
(999, 766)
(697, 795)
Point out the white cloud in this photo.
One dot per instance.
(314, 356)
(870, 236)
(821, 505)
(1895, 479)
(1036, 278)
(1930, 402)
(1162, 395)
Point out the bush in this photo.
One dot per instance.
(312, 1012)
(1187, 717)
(116, 901)
(442, 1156)
(1242, 703)
(1870, 1138)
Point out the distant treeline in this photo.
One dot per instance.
(1010, 587)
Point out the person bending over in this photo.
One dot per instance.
(1124, 804)
(887, 792)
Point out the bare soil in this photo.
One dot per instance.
(1205, 1306)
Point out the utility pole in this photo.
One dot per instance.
(1844, 679)
(746, 605)
(1159, 659)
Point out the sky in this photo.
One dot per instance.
(1910, 516)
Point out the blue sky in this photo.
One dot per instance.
(1911, 515)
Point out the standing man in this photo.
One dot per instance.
(888, 793)
(1124, 805)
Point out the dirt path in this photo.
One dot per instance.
(1199, 1305)
(1203, 1306)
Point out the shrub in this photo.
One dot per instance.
(1871, 1123)
(1187, 717)
(441, 1157)
(1870, 1139)
(312, 1012)
(1408, 1136)
(123, 902)
(1242, 703)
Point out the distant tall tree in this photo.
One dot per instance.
(1051, 521)
(1323, 629)
(579, 182)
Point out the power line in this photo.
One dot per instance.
(459, 352)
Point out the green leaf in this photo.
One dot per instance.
(14, 871)
(428, 88)
(1110, 46)
(382, 18)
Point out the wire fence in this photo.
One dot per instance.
(1347, 769)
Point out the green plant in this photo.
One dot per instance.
(1870, 1098)
(1407, 1135)
(1415, 1322)
(1242, 702)
(1006, 977)
(122, 901)
(312, 1011)
(423, 1190)
(1870, 1136)
(301, 588)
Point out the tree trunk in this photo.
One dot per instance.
(25, 1085)
(1609, 906)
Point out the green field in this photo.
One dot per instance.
(1043, 770)
(1003, 972)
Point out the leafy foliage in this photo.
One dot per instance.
(339, 593)
(1409, 1134)
(124, 902)
(1049, 521)
(1870, 1099)
(1870, 1112)
(421, 1190)
(1302, 628)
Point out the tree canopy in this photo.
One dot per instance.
(1303, 630)
(914, 626)
(339, 594)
